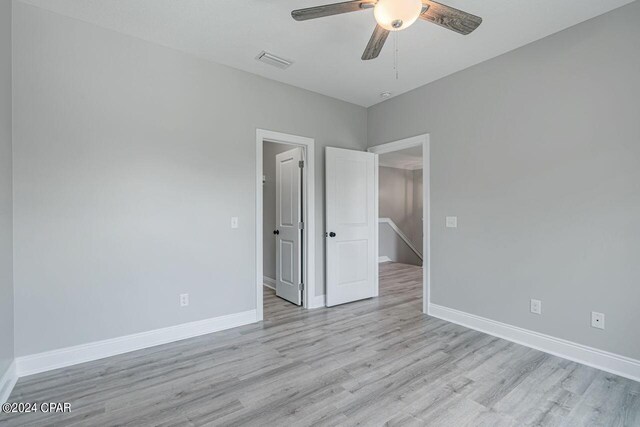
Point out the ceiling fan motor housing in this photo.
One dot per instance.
(396, 15)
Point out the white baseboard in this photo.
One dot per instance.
(269, 282)
(317, 301)
(384, 259)
(42, 362)
(600, 359)
(7, 381)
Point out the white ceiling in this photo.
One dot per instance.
(409, 158)
(326, 52)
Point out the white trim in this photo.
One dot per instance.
(269, 282)
(425, 142)
(47, 361)
(600, 359)
(390, 147)
(7, 381)
(382, 259)
(400, 234)
(317, 301)
(426, 223)
(376, 208)
(308, 195)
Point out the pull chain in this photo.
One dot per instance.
(395, 53)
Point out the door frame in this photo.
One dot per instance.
(414, 141)
(308, 201)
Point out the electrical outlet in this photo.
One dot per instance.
(597, 320)
(536, 306)
(234, 222)
(451, 222)
(184, 300)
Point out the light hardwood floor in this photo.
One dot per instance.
(370, 363)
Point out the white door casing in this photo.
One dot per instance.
(288, 227)
(351, 225)
(424, 142)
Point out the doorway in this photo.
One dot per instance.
(402, 193)
(282, 211)
(285, 220)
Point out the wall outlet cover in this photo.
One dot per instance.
(234, 222)
(597, 320)
(184, 300)
(536, 306)
(452, 222)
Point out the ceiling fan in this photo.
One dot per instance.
(395, 15)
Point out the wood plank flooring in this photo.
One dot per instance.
(374, 362)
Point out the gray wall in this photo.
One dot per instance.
(6, 204)
(391, 245)
(400, 198)
(129, 161)
(537, 153)
(270, 150)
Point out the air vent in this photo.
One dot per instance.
(273, 60)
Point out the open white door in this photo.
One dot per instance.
(289, 225)
(351, 225)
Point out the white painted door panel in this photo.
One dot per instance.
(288, 220)
(351, 225)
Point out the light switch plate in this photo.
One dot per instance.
(234, 222)
(452, 222)
(597, 320)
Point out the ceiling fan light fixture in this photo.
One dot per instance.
(396, 15)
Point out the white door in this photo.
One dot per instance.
(289, 225)
(351, 225)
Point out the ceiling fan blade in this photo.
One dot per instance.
(332, 9)
(376, 42)
(450, 18)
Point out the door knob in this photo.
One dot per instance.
(332, 234)
(276, 231)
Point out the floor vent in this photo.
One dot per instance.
(273, 60)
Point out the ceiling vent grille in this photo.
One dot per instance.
(273, 60)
